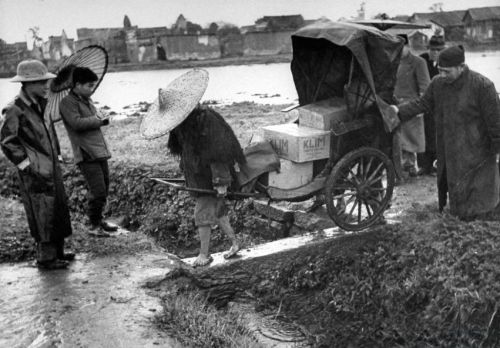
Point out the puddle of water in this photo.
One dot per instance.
(268, 330)
(95, 303)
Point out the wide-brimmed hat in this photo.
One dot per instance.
(32, 70)
(174, 103)
(436, 41)
(92, 57)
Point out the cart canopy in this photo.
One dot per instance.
(347, 60)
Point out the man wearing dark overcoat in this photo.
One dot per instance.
(30, 143)
(412, 81)
(466, 108)
(426, 159)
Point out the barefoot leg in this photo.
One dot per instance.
(228, 230)
(204, 257)
(202, 260)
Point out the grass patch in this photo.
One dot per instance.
(195, 323)
(432, 282)
(127, 145)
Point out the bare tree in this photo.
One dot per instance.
(436, 7)
(35, 42)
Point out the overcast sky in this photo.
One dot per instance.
(52, 16)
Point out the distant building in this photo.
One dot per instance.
(60, 46)
(426, 19)
(446, 23)
(271, 35)
(418, 41)
(452, 24)
(112, 39)
(482, 24)
(180, 26)
(11, 55)
(279, 23)
(231, 41)
(401, 18)
(144, 47)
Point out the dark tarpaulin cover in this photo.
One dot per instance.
(322, 60)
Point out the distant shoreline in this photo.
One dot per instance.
(243, 60)
(187, 64)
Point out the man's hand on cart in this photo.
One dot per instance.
(221, 190)
(394, 109)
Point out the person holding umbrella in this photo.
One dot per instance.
(28, 141)
(90, 150)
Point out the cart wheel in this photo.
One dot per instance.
(359, 188)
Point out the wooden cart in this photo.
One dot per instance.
(357, 64)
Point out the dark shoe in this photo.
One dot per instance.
(412, 172)
(66, 257)
(426, 171)
(423, 171)
(400, 181)
(52, 265)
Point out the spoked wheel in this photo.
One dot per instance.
(359, 188)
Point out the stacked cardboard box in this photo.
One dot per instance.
(299, 145)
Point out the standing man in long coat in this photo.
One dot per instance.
(466, 108)
(426, 159)
(29, 143)
(412, 81)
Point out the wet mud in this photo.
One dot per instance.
(97, 302)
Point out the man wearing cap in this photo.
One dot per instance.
(412, 81)
(90, 150)
(426, 159)
(466, 108)
(30, 143)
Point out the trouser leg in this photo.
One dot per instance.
(46, 251)
(408, 159)
(97, 177)
(426, 160)
(396, 155)
(59, 248)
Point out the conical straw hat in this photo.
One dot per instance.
(174, 103)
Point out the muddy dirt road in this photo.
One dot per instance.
(97, 302)
(100, 302)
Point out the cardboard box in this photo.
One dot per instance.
(291, 174)
(322, 114)
(298, 144)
